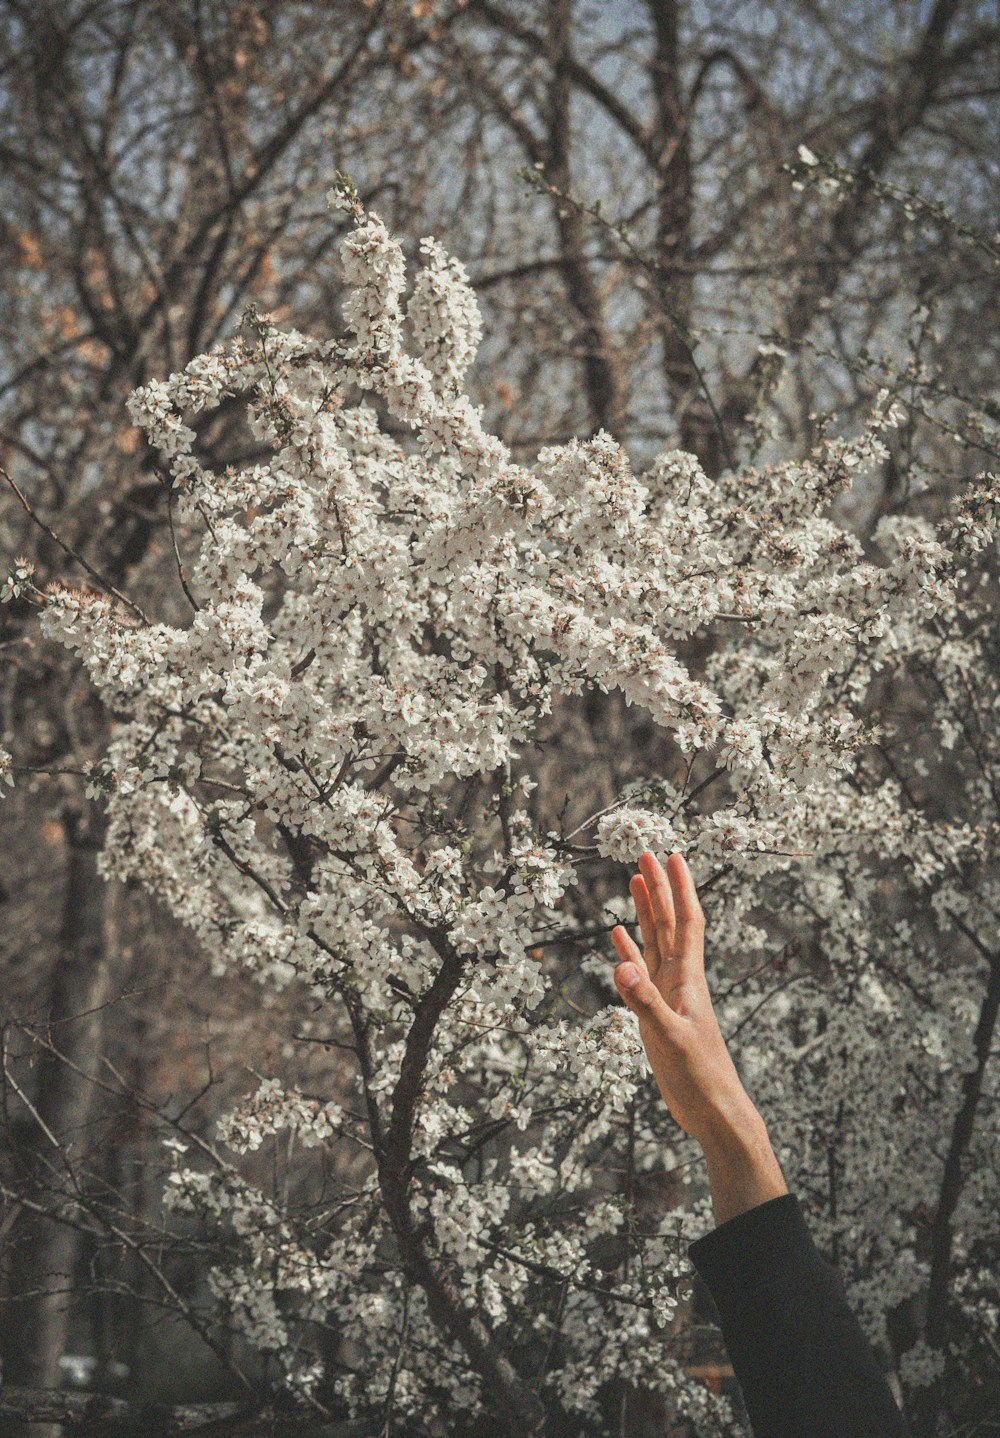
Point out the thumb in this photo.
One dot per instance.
(647, 1003)
(635, 986)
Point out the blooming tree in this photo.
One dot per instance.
(386, 611)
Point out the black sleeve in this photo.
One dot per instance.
(805, 1367)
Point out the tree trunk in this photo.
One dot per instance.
(602, 371)
(43, 1254)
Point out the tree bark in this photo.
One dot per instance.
(601, 370)
(44, 1254)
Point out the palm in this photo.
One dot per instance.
(669, 995)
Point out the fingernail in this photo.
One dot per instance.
(628, 976)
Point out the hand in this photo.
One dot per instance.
(665, 988)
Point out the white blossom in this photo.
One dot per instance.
(330, 774)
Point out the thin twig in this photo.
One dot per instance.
(31, 1108)
(177, 554)
(68, 549)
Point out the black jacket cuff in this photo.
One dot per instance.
(746, 1252)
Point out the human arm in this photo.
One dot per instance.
(802, 1361)
(664, 985)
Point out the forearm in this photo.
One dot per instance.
(804, 1366)
(742, 1168)
(801, 1358)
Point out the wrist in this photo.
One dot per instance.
(730, 1122)
(743, 1170)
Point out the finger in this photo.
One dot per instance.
(642, 996)
(644, 913)
(661, 900)
(689, 939)
(628, 950)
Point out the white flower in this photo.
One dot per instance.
(17, 580)
(920, 1365)
(383, 700)
(625, 833)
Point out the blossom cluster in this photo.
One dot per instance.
(388, 608)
